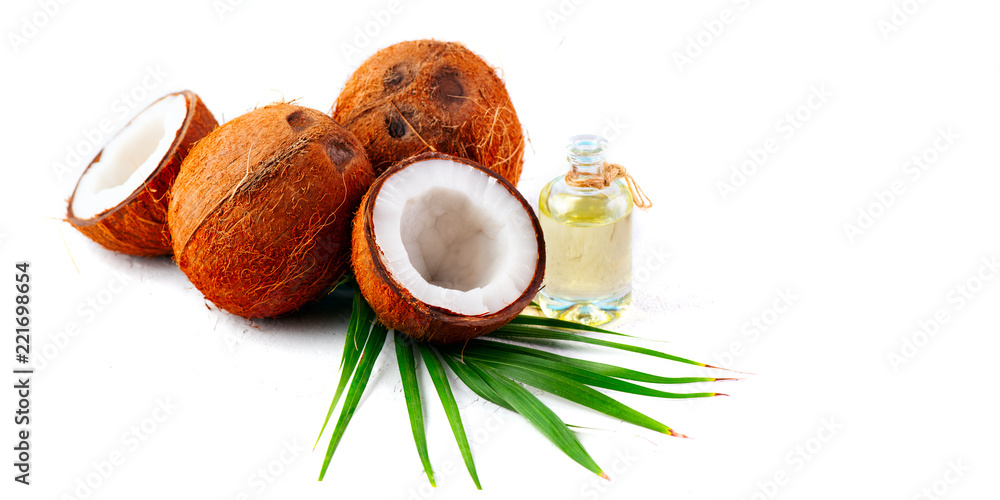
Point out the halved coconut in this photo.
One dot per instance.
(445, 250)
(121, 199)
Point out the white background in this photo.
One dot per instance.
(828, 413)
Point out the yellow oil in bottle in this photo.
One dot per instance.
(588, 246)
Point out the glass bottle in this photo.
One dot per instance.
(588, 239)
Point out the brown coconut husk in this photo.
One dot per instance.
(138, 225)
(396, 307)
(427, 95)
(261, 212)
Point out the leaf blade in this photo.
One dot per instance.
(533, 333)
(578, 393)
(411, 392)
(440, 379)
(593, 366)
(539, 415)
(360, 322)
(524, 319)
(372, 348)
(578, 374)
(472, 380)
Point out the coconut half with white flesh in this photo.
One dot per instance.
(121, 199)
(445, 250)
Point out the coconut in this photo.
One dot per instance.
(427, 95)
(121, 198)
(261, 211)
(445, 249)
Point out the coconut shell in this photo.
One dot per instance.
(427, 95)
(138, 225)
(261, 211)
(396, 307)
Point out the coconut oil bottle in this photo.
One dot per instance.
(586, 218)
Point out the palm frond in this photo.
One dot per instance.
(494, 368)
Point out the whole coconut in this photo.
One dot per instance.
(426, 95)
(260, 213)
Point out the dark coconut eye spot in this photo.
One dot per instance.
(339, 153)
(447, 89)
(395, 125)
(395, 77)
(299, 120)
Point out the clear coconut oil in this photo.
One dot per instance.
(588, 239)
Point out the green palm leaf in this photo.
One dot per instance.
(343, 280)
(524, 319)
(473, 381)
(580, 375)
(576, 392)
(494, 369)
(372, 348)
(440, 379)
(534, 333)
(411, 390)
(360, 322)
(539, 415)
(592, 366)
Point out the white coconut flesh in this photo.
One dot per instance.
(129, 158)
(454, 237)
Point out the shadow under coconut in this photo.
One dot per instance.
(81, 248)
(307, 328)
(335, 305)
